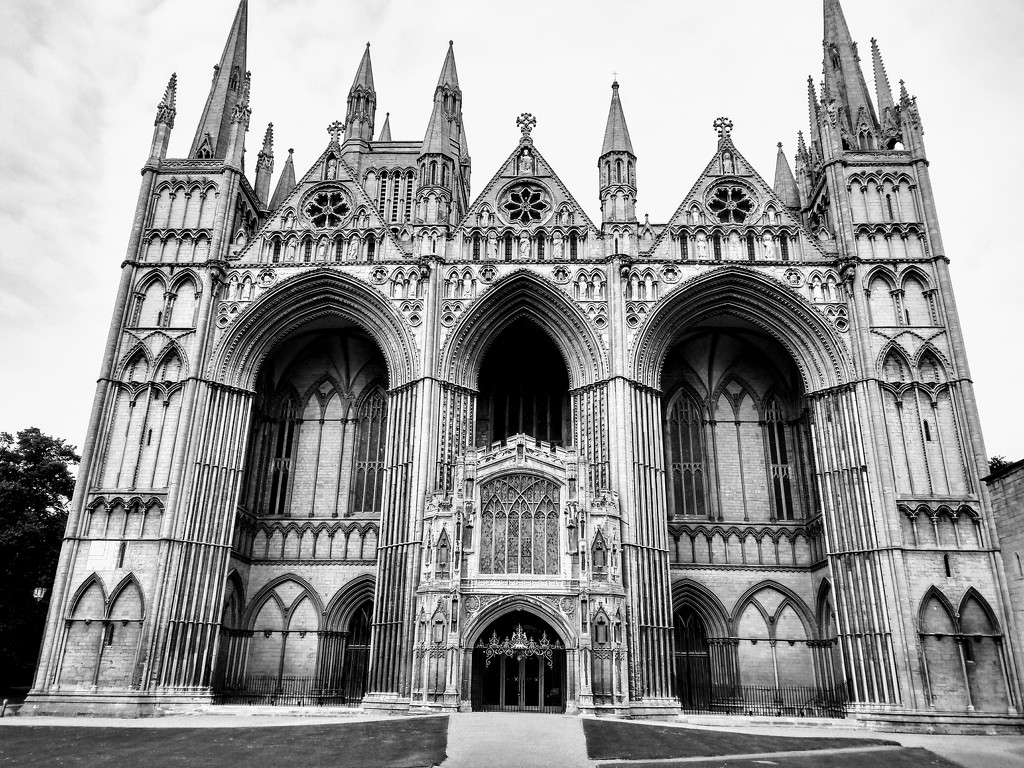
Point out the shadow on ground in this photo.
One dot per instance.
(396, 744)
(611, 739)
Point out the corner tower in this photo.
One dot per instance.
(617, 173)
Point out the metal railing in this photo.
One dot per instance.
(771, 701)
(288, 691)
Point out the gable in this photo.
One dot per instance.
(327, 217)
(526, 195)
(732, 214)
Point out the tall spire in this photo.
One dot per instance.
(362, 102)
(385, 132)
(285, 184)
(785, 182)
(882, 88)
(616, 134)
(444, 131)
(449, 75)
(844, 80)
(265, 165)
(164, 122)
(616, 170)
(213, 134)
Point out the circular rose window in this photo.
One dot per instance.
(328, 209)
(526, 204)
(732, 205)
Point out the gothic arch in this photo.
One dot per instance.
(93, 579)
(973, 595)
(476, 625)
(347, 600)
(753, 298)
(523, 294)
(705, 603)
(128, 582)
(789, 597)
(935, 593)
(316, 294)
(269, 592)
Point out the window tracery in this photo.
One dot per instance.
(328, 209)
(519, 526)
(525, 204)
(732, 205)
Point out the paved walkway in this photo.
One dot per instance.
(500, 740)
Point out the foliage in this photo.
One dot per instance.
(997, 463)
(35, 488)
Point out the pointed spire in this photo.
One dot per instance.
(166, 109)
(385, 132)
(445, 127)
(844, 80)
(362, 102)
(265, 165)
(213, 134)
(285, 184)
(616, 134)
(449, 75)
(812, 103)
(882, 88)
(785, 182)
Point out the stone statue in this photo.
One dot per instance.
(702, 246)
(769, 246)
(526, 162)
(524, 245)
(332, 169)
(492, 245)
(558, 246)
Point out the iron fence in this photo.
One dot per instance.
(287, 690)
(772, 701)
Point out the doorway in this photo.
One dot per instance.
(519, 666)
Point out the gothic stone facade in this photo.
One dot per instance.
(370, 439)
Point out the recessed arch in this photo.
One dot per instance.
(789, 597)
(269, 592)
(476, 625)
(753, 298)
(523, 294)
(347, 601)
(706, 604)
(315, 295)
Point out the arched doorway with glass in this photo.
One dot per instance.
(519, 666)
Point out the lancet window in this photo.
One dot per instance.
(368, 472)
(779, 467)
(686, 458)
(519, 526)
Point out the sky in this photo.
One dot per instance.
(80, 81)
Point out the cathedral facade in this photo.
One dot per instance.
(369, 439)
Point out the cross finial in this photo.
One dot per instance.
(724, 127)
(526, 123)
(335, 130)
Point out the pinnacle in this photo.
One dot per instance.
(364, 73)
(385, 131)
(286, 183)
(228, 90)
(616, 134)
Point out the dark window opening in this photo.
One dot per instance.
(524, 387)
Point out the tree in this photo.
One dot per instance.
(35, 488)
(997, 463)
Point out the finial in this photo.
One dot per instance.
(451, 43)
(779, 145)
(615, 79)
(291, 151)
(335, 129)
(724, 127)
(526, 123)
(367, 43)
(166, 110)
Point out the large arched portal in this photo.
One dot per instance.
(737, 444)
(317, 436)
(519, 666)
(524, 387)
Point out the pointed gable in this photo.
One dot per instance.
(730, 214)
(504, 204)
(329, 208)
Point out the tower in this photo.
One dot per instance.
(374, 440)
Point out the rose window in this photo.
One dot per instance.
(731, 205)
(526, 205)
(328, 209)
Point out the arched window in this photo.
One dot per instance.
(370, 248)
(282, 462)
(382, 191)
(476, 247)
(718, 247)
(519, 526)
(684, 442)
(368, 467)
(780, 470)
(508, 247)
(784, 246)
(693, 666)
(573, 245)
(751, 253)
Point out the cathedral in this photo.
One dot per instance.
(365, 438)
